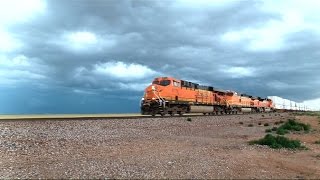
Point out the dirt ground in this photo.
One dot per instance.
(205, 147)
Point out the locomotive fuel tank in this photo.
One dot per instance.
(201, 109)
(246, 110)
(267, 110)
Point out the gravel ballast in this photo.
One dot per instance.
(205, 147)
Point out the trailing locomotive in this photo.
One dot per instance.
(167, 95)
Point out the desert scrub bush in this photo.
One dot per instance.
(259, 123)
(240, 122)
(277, 142)
(262, 115)
(250, 125)
(266, 124)
(282, 131)
(315, 113)
(274, 129)
(268, 130)
(189, 119)
(293, 125)
(317, 142)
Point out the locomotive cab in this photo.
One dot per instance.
(158, 94)
(162, 82)
(161, 88)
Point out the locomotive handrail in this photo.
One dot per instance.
(159, 97)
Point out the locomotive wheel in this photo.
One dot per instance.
(153, 113)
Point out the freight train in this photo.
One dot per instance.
(281, 105)
(167, 95)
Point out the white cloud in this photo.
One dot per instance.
(18, 61)
(295, 16)
(7, 42)
(113, 75)
(80, 91)
(301, 15)
(84, 41)
(270, 37)
(21, 69)
(203, 4)
(133, 86)
(189, 52)
(306, 8)
(13, 11)
(82, 38)
(20, 74)
(278, 85)
(123, 71)
(238, 72)
(79, 41)
(275, 84)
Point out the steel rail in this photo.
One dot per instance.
(105, 116)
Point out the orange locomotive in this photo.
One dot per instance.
(167, 95)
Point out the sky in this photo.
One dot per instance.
(97, 56)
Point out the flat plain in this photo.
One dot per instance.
(177, 147)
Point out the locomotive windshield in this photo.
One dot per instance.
(162, 83)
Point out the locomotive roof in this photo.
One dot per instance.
(219, 90)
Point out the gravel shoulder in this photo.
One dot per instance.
(206, 147)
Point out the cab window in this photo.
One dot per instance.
(175, 83)
(165, 82)
(155, 82)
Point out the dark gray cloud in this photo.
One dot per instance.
(113, 49)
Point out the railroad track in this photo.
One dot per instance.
(98, 116)
(67, 116)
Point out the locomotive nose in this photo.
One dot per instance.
(149, 94)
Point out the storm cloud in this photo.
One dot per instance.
(97, 56)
